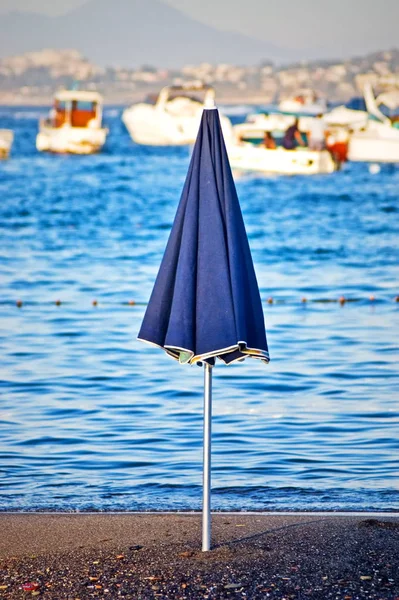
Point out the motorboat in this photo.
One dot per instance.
(306, 102)
(173, 118)
(247, 152)
(74, 124)
(378, 140)
(339, 122)
(254, 128)
(6, 140)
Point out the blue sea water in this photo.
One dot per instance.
(91, 419)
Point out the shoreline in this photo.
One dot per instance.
(46, 102)
(147, 556)
(268, 513)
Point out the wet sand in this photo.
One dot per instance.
(148, 556)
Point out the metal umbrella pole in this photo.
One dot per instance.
(206, 502)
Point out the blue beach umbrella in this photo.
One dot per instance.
(206, 303)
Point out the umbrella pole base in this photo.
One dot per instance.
(206, 503)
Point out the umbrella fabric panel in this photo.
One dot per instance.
(205, 302)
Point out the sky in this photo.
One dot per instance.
(349, 26)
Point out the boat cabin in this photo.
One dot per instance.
(77, 109)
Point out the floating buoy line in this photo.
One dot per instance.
(341, 300)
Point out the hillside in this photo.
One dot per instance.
(130, 33)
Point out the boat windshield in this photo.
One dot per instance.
(82, 113)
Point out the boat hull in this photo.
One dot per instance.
(150, 127)
(364, 148)
(246, 157)
(71, 140)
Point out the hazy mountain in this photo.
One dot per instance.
(132, 33)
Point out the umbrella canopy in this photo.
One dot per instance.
(206, 302)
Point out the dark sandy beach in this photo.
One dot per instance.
(71, 556)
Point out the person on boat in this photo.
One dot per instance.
(292, 137)
(268, 141)
(317, 133)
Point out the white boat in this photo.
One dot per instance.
(74, 124)
(378, 140)
(305, 102)
(6, 140)
(253, 131)
(174, 118)
(246, 156)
